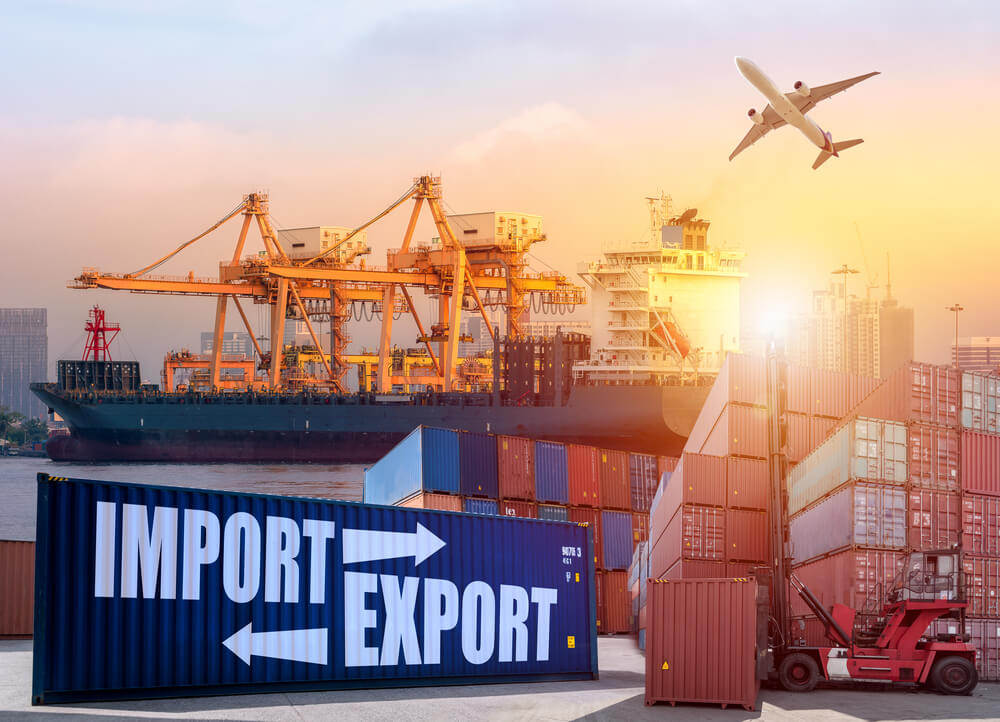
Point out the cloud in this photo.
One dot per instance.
(537, 124)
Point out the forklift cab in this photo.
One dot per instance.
(927, 577)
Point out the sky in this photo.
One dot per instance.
(126, 129)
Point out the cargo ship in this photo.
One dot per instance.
(665, 309)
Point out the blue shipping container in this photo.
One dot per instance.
(616, 533)
(553, 513)
(478, 464)
(144, 591)
(643, 478)
(551, 472)
(426, 460)
(642, 639)
(481, 506)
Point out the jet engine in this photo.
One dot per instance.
(801, 88)
(755, 116)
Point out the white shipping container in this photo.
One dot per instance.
(980, 402)
(862, 514)
(305, 243)
(862, 449)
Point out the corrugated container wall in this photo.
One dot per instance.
(798, 439)
(935, 520)
(739, 431)
(640, 527)
(666, 463)
(980, 402)
(97, 635)
(695, 532)
(916, 392)
(426, 460)
(690, 656)
(429, 500)
(17, 588)
(748, 483)
(592, 518)
(551, 472)
(862, 449)
(643, 478)
(516, 467)
(617, 603)
(985, 635)
(981, 524)
(523, 509)
(982, 586)
(747, 536)
(478, 463)
(474, 505)
(871, 515)
(694, 569)
(741, 381)
(981, 463)
(584, 476)
(551, 512)
(934, 457)
(859, 578)
(698, 479)
(614, 476)
(616, 531)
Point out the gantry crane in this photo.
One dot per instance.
(323, 286)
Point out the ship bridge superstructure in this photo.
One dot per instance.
(666, 307)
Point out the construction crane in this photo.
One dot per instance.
(323, 287)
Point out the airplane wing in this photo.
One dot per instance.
(771, 121)
(807, 103)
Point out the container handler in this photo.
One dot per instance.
(892, 645)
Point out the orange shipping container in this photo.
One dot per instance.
(747, 536)
(640, 528)
(698, 479)
(666, 463)
(617, 603)
(693, 569)
(17, 588)
(933, 457)
(981, 463)
(516, 465)
(982, 586)
(935, 520)
(584, 477)
(747, 481)
(525, 509)
(616, 492)
(917, 392)
(799, 438)
(981, 524)
(429, 500)
(739, 431)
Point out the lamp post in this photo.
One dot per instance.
(956, 309)
(845, 271)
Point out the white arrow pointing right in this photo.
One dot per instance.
(297, 645)
(365, 545)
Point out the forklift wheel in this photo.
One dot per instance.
(954, 675)
(798, 672)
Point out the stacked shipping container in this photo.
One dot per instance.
(611, 491)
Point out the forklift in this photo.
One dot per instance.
(890, 645)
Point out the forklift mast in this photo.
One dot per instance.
(777, 395)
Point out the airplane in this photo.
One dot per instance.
(791, 108)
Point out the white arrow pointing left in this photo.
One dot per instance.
(296, 645)
(365, 545)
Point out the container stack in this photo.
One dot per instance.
(610, 491)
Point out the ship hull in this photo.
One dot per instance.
(653, 420)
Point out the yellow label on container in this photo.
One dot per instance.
(604, 458)
(665, 666)
(578, 576)
(571, 642)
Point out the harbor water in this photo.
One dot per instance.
(18, 482)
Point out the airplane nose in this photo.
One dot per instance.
(742, 63)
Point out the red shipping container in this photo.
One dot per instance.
(739, 431)
(917, 392)
(584, 477)
(798, 442)
(666, 463)
(695, 532)
(616, 490)
(17, 588)
(524, 509)
(430, 500)
(933, 457)
(747, 536)
(981, 463)
(859, 578)
(617, 617)
(985, 634)
(692, 569)
(819, 428)
(747, 481)
(982, 586)
(981, 524)
(640, 527)
(830, 392)
(591, 517)
(798, 399)
(935, 520)
(516, 467)
(687, 658)
(698, 479)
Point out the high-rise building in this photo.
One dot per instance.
(233, 342)
(978, 353)
(858, 335)
(24, 357)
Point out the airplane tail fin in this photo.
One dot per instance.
(824, 156)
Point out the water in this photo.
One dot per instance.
(18, 487)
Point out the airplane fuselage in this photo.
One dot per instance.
(783, 106)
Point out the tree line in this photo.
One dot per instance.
(19, 430)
